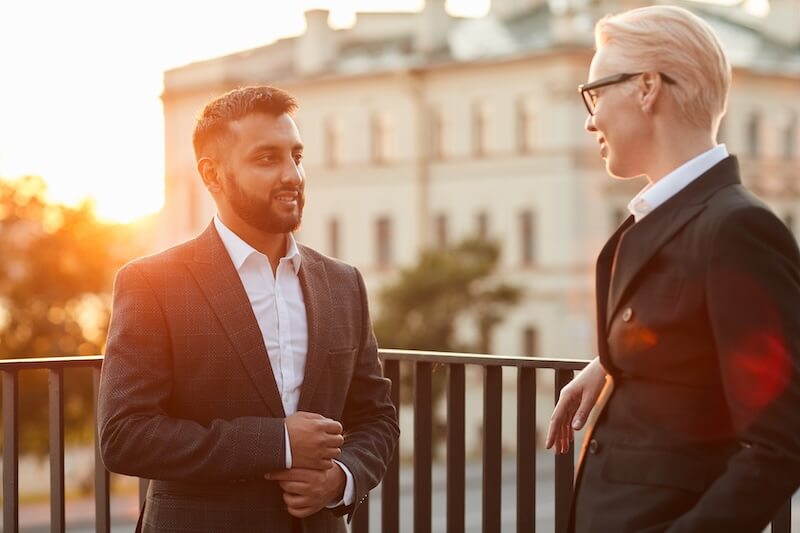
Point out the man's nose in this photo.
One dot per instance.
(292, 173)
(589, 124)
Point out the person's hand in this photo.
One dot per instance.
(306, 491)
(574, 404)
(314, 439)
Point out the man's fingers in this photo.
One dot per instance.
(331, 426)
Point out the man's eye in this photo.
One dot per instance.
(593, 96)
(298, 158)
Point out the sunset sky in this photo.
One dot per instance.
(80, 83)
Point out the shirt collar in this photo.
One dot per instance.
(655, 194)
(239, 250)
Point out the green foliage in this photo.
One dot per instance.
(56, 273)
(446, 291)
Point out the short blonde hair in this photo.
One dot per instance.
(675, 42)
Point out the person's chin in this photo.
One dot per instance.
(619, 173)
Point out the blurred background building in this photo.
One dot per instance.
(422, 129)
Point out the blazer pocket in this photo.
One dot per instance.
(659, 468)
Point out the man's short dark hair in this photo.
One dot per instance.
(212, 124)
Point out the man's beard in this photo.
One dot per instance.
(260, 213)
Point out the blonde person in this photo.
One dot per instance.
(698, 303)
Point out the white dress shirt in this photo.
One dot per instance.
(655, 194)
(279, 307)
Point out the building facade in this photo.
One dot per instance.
(421, 130)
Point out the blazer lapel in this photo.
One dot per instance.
(219, 281)
(638, 245)
(319, 311)
(603, 272)
(642, 240)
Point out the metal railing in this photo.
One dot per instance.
(422, 364)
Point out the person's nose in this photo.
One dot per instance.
(589, 124)
(293, 173)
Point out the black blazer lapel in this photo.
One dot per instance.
(642, 240)
(603, 272)
(219, 281)
(639, 244)
(317, 296)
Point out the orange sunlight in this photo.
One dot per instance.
(81, 83)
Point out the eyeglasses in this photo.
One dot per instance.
(588, 90)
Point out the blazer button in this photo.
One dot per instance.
(594, 446)
(627, 314)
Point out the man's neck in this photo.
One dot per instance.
(273, 245)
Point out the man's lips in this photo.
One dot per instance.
(287, 196)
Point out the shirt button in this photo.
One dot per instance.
(594, 446)
(627, 314)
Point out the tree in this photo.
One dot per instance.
(424, 307)
(56, 271)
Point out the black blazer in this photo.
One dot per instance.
(188, 398)
(698, 319)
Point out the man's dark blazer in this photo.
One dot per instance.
(698, 318)
(188, 398)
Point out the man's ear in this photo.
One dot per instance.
(209, 172)
(650, 84)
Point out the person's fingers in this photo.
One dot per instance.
(331, 426)
(301, 511)
(295, 487)
(582, 413)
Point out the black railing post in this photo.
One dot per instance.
(423, 457)
(526, 450)
(102, 500)
(56, 385)
(492, 448)
(565, 466)
(390, 486)
(10, 451)
(455, 449)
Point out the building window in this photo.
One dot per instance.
(383, 242)
(790, 137)
(438, 133)
(333, 237)
(333, 143)
(381, 139)
(526, 124)
(441, 231)
(530, 341)
(527, 238)
(482, 225)
(753, 134)
(480, 130)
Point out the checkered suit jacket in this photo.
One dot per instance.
(188, 398)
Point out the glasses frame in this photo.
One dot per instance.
(585, 88)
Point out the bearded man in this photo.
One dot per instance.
(241, 373)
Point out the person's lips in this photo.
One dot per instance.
(289, 197)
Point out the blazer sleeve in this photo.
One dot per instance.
(369, 418)
(753, 298)
(137, 436)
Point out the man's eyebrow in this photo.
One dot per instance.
(275, 147)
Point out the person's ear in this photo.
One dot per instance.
(209, 172)
(650, 84)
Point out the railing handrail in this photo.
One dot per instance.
(426, 356)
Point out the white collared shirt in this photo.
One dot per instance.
(655, 194)
(279, 307)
